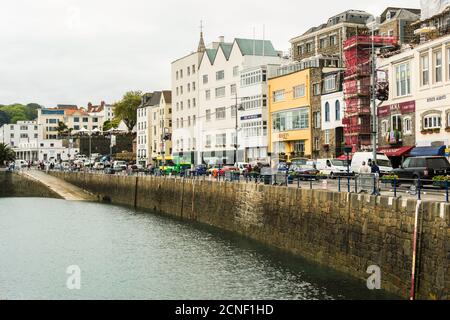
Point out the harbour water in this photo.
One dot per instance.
(126, 254)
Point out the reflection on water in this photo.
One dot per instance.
(124, 254)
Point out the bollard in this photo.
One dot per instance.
(446, 191)
(298, 182)
(395, 187)
(375, 185)
(356, 185)
(418, 189)
(310, 183)
(339, 184)
(348, 184)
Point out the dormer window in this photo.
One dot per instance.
(388, 16)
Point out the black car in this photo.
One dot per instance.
(424, 168)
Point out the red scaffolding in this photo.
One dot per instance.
(357, 88)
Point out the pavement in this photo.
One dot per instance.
(66, 190)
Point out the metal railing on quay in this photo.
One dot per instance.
(432, 189)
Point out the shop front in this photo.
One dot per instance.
(396, 154)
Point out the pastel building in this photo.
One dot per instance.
(290, 134)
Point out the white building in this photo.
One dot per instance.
(23, 131)
(219, 94)
(185, 111)
(420, 91)
(143, 132)
(103, 111)
(45, 150)
(254, 112)
(331, 114)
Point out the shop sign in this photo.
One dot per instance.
(438, 98)
(403, 107)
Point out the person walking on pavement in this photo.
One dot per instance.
(364, 168)
(375, 168)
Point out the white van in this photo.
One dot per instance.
(19, 164)
(332, 167)
(383, 161)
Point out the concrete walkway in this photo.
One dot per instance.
(66, 190)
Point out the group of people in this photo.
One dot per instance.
(369, 167)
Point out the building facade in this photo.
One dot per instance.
(24, 131)
(220, 97)
(398, 23)
(161, 125)
(103, 111)
(253, 117)
(290, 134)
(45, 150)
(418, 110)
(332, 113)
(143, 130)
(185, 111)
(327, 39)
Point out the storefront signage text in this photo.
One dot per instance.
(404, 107)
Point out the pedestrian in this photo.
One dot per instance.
(364, 168)
(375, 168)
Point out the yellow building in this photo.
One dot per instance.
(290, 133)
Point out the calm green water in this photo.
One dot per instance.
(124, 254)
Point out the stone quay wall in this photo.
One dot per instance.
(13, 184)
(347, 232)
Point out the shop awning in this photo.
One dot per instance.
(344, 157)
(428, 151)
(395, 152)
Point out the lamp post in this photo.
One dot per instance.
(374, 108)
(347, 150)
(238, 107)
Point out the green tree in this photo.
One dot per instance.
(109, 124)
(18, 112)
(4, 118)
(6, 153)
(63, 129)
(126, 109)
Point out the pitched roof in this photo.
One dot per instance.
(156, 98)
(261, 47)
(167, 96)
(248, 47)
(72, 112)
(226, 48)
(67, 106)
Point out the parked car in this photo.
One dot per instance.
(228, 169)
(99, 166)
(119, 165)
(383, 162)
(138, 168)
(332, 167)
(305, 172)
(424, 168)
(20, 164)
(283, 167)
(242, 166)
(200, 169)
(109, 170)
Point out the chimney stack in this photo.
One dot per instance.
(221, 39)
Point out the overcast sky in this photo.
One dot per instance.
(76, 51)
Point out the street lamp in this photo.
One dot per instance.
(347, 150)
